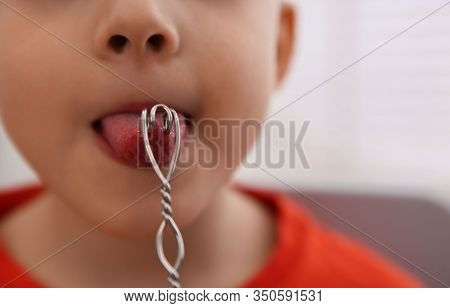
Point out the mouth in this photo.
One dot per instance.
(118, 134)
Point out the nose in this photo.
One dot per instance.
(137, 29)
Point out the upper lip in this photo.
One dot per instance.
(137, 107)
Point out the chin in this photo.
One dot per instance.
(140, 220)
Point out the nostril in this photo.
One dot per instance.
(118, 43)
(156, 42)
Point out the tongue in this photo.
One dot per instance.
(123, 133)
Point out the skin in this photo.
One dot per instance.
(224, 58)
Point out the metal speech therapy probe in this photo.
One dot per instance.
(148, 122)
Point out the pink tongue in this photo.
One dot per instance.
(122, 131)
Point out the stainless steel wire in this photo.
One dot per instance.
(170, 120)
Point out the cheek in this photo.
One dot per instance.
(37, 93)
(237, 66)
(237, 70)
(31, 98)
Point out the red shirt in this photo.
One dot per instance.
(306, 255)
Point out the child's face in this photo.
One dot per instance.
(211, 58)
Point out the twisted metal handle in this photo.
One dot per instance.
(148, 121)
